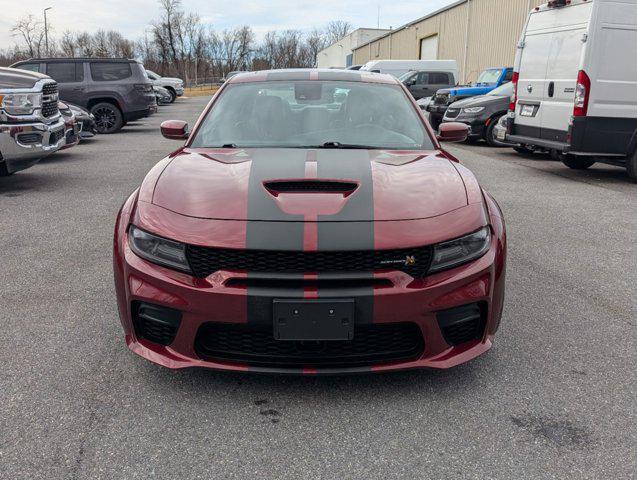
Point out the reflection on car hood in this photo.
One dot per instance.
(236, 184)
(481, 101)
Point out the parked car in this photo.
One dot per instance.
(229, 75)
(482, 113)
(31, 126)
(354, 67)
(162, 95)
(488, 80)
(579, 101)
(175, 86)
(425, 83)
(114, 90)
(85, 119)
(406, 252)
(71, 126)
(397, 68)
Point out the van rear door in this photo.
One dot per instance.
(570, 27)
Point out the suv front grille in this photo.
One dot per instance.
(205, 261)
(49, 108)
(255, 345)
(50, 88)
(440, 99)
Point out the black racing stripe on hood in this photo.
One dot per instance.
(285, 232)
(342, 231)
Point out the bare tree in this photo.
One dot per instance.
(337, 29)
(68, 45)
(31, 31)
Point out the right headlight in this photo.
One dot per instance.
(158, 250)
(20, 103)
(461, 250)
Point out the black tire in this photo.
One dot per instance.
(522, 150)
(489, 134)
(578, 163)
(631, 166)
(173, 95)
(3, 170)
(108, 117)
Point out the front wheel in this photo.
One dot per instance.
(577, 163)
(490, 136)
(3, 170)
(108, 117)
(173, 95)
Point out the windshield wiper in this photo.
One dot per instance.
(346, 146)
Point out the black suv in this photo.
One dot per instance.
(115, 90)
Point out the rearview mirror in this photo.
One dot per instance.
(174, 129)
(453, 132)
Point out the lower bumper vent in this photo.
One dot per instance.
(155, 323)
(463, 324)
(255, 345)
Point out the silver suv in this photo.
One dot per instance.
(115, 90)
(31, 126)
(175, 86)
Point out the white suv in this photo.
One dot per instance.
(174, 85)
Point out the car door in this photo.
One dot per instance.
(420, 88)
(438, 81)
(564, 61)
(71, 81)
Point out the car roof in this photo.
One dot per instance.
(310, 74)
(77, 59)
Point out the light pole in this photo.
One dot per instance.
(46, 32)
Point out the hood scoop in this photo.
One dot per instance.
(276, 187)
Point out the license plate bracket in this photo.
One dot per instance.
(313, 319)
(528, 111)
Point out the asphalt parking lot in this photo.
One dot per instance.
(555, 398)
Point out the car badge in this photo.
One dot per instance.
(410, 260)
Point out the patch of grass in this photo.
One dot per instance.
(203, 91)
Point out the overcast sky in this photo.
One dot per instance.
(131, 17)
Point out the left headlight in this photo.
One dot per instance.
(462, 250)
(158, 250)
(473, 109)
(20, 103)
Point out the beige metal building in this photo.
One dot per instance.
(475, 33)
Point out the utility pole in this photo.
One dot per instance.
(46, 32)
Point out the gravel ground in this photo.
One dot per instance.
(555, 398)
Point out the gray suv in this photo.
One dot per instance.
(115, 90)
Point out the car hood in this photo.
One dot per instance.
(16, 78)
(306, 185)
(172, 79)
(467, 91)
(481, 101)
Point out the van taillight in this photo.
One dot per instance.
(582, 94)
(514, 97)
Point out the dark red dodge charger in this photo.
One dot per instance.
(312, 224)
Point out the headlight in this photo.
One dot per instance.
(158, 250)
(20, 103)
(473, 109)
(462, 250)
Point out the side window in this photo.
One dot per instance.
(32, 67)
(439, 78)
(508, 77)
(110, 71)
(423, 78)
(64, 72)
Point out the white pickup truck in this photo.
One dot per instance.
(31, 126)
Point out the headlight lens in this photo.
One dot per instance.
(473, 109)
(20, 103)
(158, 250)
(462, 250)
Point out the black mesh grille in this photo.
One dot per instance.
(255, 345)
(155, 323)
(441, 99)
(56, 136)
(30, 138)
(310, 186)
(463, 324)
(49, 88)
(204, 261)
(49, 108)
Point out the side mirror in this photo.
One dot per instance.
(411, 82)
(174, 129)
(453, 132)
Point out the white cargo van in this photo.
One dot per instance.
(576, 83)
(398, 68)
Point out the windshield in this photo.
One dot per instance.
(313, 114)
(505, 90)
(489, 77)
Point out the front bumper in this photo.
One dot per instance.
(179, 91)
(476, 125)
(23, 145)
(222, 298)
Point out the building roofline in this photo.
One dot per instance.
(387, 30)
(413, 22)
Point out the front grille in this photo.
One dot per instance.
(441, 99)
(452, 113)
(463, 324)
(49, 108)
(305, 186)
(255, 345)
(56, 136)
(50, 88)
(205, 261)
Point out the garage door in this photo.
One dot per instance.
(429, 48)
